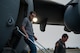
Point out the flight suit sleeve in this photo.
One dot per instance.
(56, 48)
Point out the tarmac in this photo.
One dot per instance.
(67, 51)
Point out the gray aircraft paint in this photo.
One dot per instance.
(8, 11)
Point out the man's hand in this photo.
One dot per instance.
(26, 36)
(24, 30)
(35, 37)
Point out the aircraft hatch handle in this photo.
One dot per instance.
(29, 38)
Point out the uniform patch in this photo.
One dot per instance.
(57, 44)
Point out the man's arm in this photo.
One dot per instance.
(35, 37)
(23, 29)
(56, 48)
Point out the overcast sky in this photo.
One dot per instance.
(61, 1)
(54, 33)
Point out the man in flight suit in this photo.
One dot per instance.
(60, 46)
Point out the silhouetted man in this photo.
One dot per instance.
(60, 46)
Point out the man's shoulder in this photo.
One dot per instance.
(26, 18)
(57, 43)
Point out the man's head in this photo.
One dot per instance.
(64, 37)
(32, 15)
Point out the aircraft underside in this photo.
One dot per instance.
(12, 13)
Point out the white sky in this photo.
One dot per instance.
(54, 33)
(64, 2)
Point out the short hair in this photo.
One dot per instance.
(65, 35)
(32, 12)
